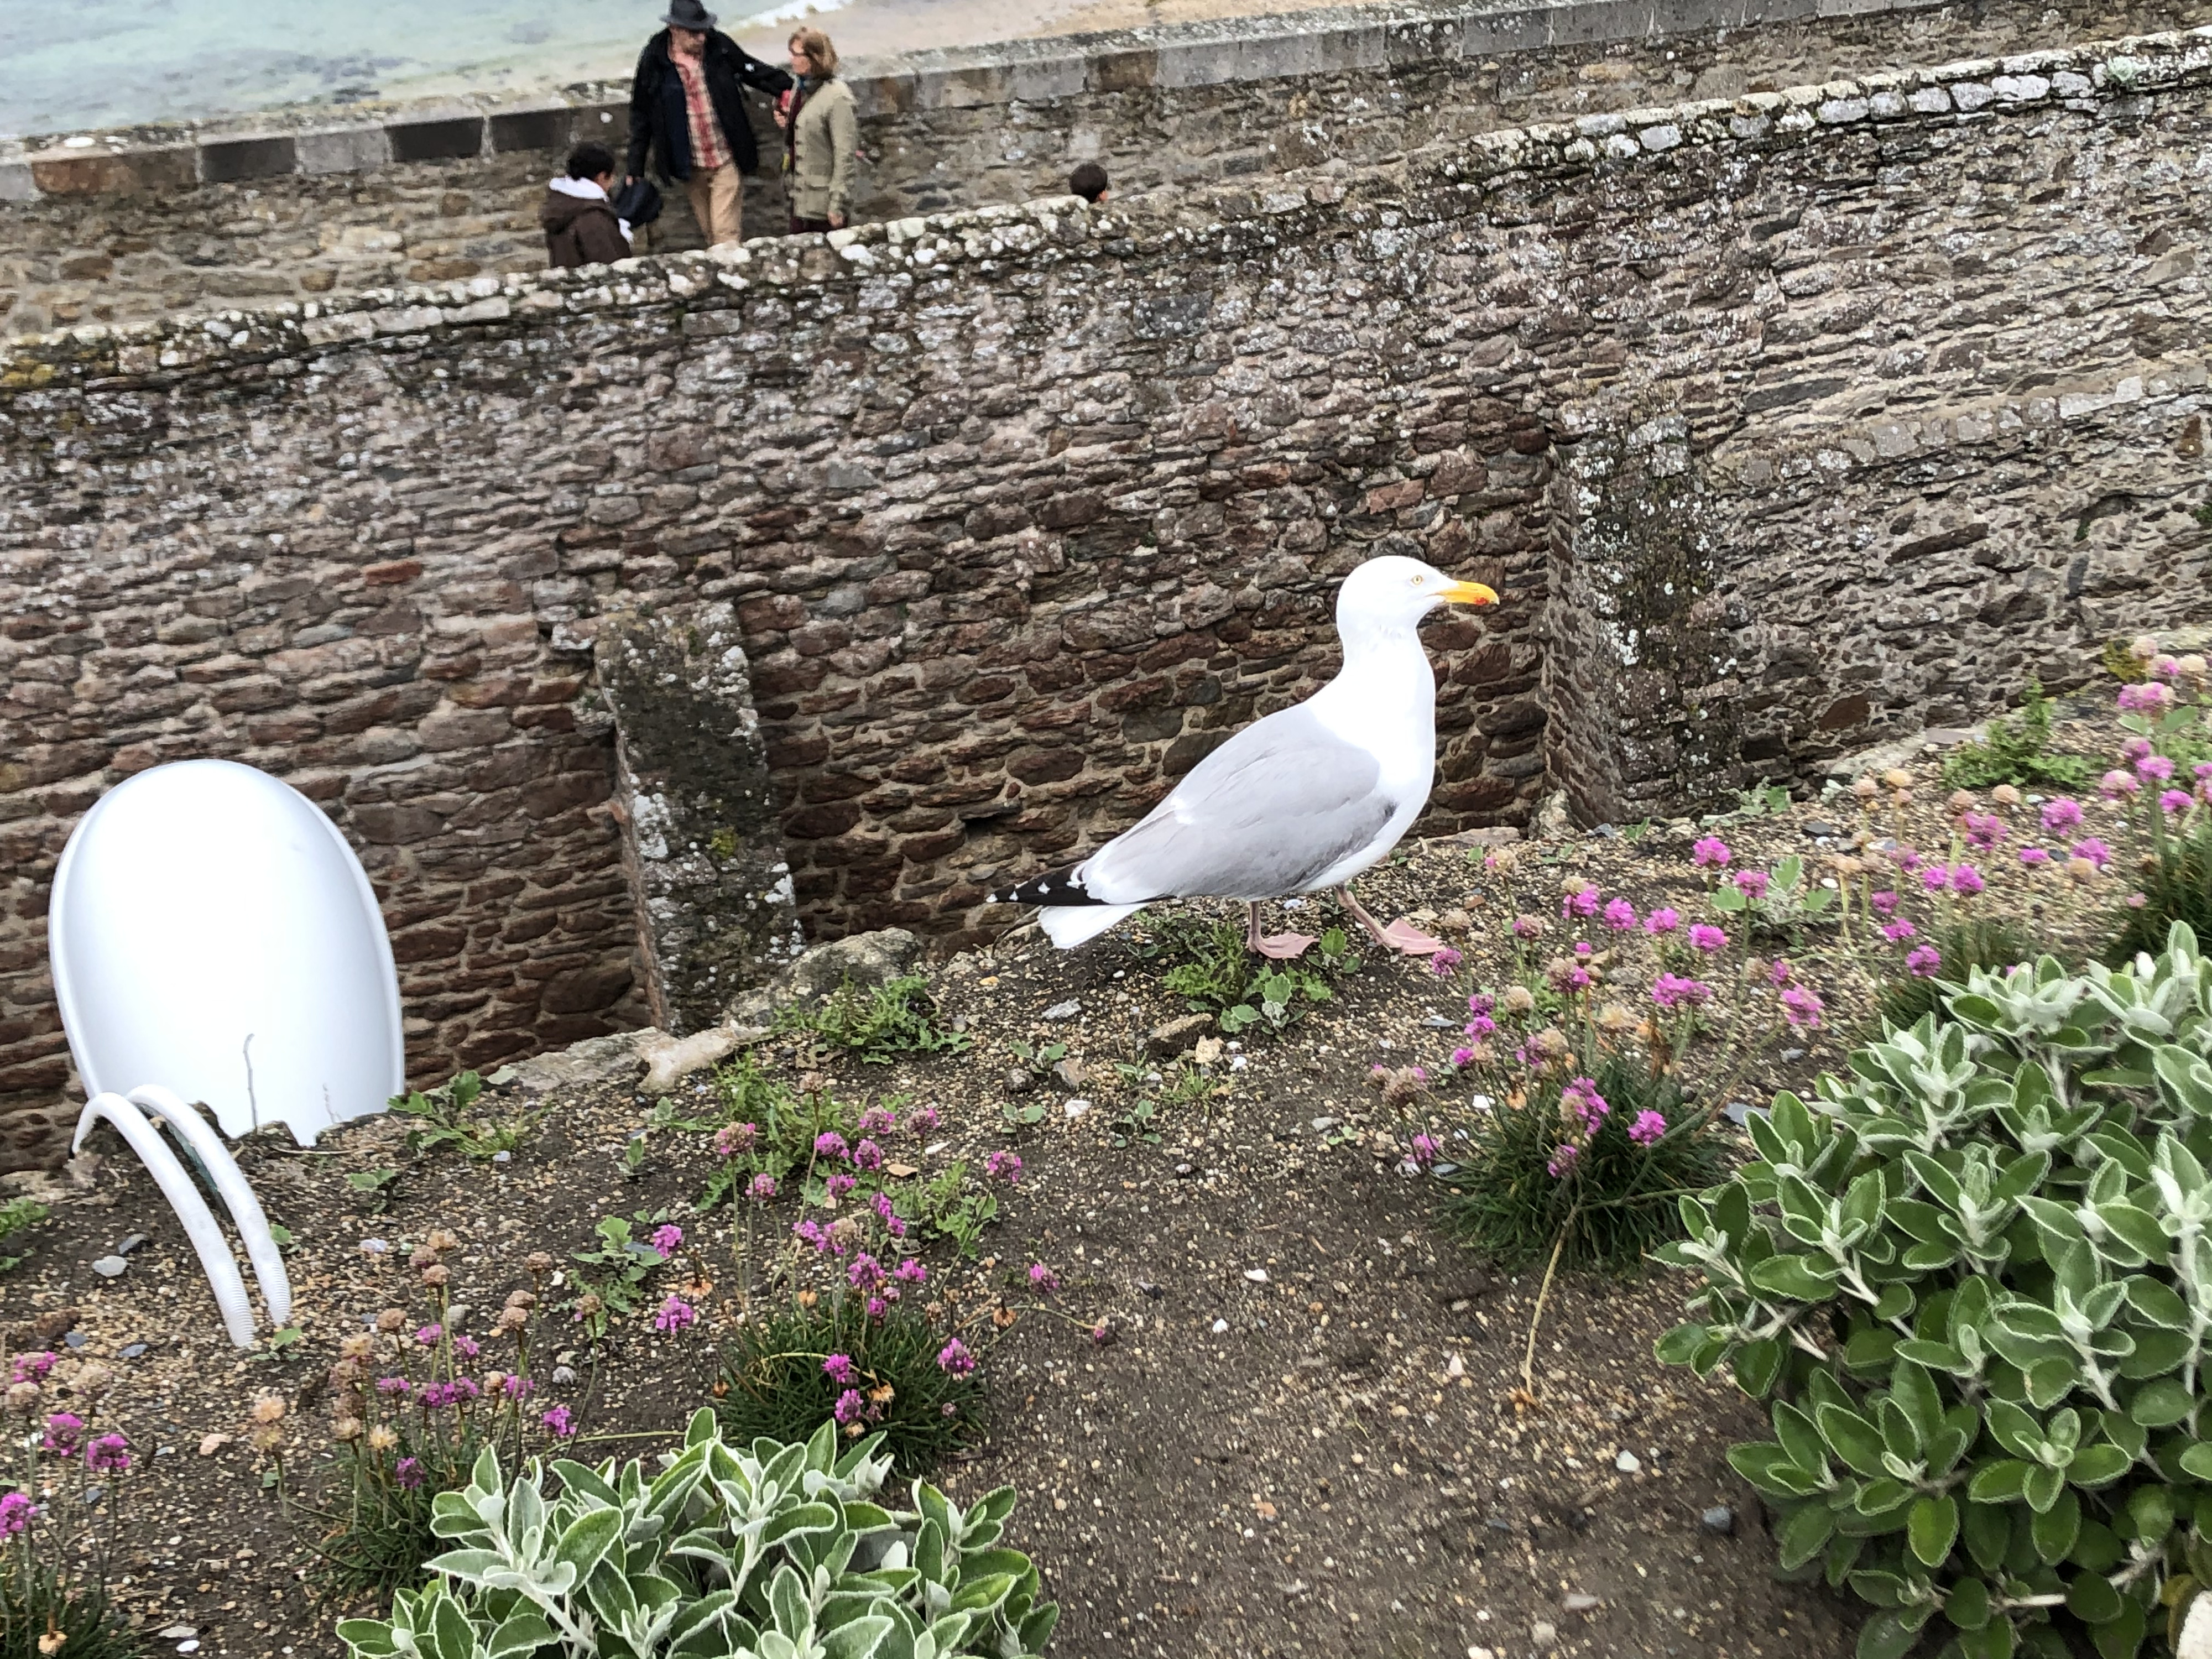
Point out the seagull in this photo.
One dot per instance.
(1300, 801)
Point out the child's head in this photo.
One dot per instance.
(593, 161)
(1088, 181)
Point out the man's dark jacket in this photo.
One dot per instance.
(659, 125)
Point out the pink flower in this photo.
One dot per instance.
(107, 1453)
(517, 1388)
(2116, 783)
(561, 1420)
(2032, 856)
(2175, 801)
(1934, 878)
(1924, 960)
(2136, 900)
(1044, 1280)
(839, 1369)
(1752, 883)
(1777, 972)
(2157, 767)
(1004, 1166)
(1964, 879)
(1884, 904)
(666, 1237)
(1620, 916)
(1425, 1149)
(1710, 850)
(2062, 814)
(2094, 850)
(1562, 1158)
(866, 1273)
(1984, 830)
(2145, 698)
(867, 1156)
(954, 1359)
(1705, 936)
(64, 1434)
(877, 1121)
(839, 1183)
(1672, 991)
(762, 1188)
(1480, 1003)
(732, 1139)
(1444, 963)
(1527, 926)
(1462, 1056)
(467, 1347)
(1582, 902)
(1582, 1101)
(849, 1407)
(1802, 1007)
(923, 1121)
(1897, 931)
(877, 1306)
(16, 1512)
(1648, 1127)
(910, 1272)
(1482, 1026)
(830, 1145)
(1661, 921)
(408, 1471)
(30, 1367)
(676, 1314)
(428, 1335)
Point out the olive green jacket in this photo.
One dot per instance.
(823, 141)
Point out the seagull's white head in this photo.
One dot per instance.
(1397, 592)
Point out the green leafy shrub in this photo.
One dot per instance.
(1221, 977)
(442, 1119)
(775, 1382)
(766, 1551)
(880, 1023)
(2017, 753)
(1510, 1198)
(19, 1215)
(1967, 943)
(1973, 1277)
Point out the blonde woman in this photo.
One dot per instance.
(821, 136)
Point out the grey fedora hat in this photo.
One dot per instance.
(689, 14)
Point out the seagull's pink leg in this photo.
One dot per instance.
(1281, 947)
(1401, 936)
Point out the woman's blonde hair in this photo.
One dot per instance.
(815, 47)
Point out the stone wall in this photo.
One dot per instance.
(115, 227)
(1781, 424)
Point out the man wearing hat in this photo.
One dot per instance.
(687, 115)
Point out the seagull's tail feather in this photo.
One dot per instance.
(1064, 887)
(1069, 926)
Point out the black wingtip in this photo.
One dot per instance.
(1061, 889)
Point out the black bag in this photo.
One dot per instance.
(638, 201)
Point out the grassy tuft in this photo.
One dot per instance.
(1616, 1205)
(773, 1383)
(880, 1023)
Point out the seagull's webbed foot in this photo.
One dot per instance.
(1401, 936)
(1279, 947)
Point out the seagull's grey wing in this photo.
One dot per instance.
(1264, 815)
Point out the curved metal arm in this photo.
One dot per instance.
(230, 1181)
(215, 1259)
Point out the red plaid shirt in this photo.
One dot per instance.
(707, 149)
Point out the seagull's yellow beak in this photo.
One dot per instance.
(1470, 593)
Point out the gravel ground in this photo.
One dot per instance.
(1302, 1436)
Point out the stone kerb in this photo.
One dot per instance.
(307, 142)
(2115, 77)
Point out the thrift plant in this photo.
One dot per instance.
(413, 1402)
(830, 1359)
(2163, 789)
(1972, 1278)
(759, 1550)
(58, 1520)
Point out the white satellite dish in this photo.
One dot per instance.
(213, 935)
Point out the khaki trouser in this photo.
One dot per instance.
(717, 201)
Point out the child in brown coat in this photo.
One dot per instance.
(580, 221)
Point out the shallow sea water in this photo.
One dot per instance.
(68, 64)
